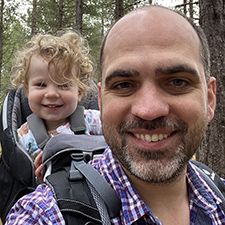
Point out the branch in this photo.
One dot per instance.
(128, 6)
(185, 4)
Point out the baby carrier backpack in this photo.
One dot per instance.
(17, 172)
(17, 176)
(83, 196)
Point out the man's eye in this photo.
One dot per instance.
(124, 89)
(122, 86)
(178, 86)
(179, 83)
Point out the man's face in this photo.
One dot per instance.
(155, 101)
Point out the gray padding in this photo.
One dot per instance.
(67, 142)
(77, 121)
(37, 126)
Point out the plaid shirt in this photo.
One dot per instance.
(40, 207)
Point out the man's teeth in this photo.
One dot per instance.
(151, 138)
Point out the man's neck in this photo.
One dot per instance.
(169, 202)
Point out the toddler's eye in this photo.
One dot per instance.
(63, 86)
(40, 84)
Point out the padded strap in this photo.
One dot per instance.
(109, 196)
(37, 126)
(70, 205)
(77, 122)
(102, 208)
(74, 199)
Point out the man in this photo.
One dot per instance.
(156, 99)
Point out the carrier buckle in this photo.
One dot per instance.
(74, 173)
(77, 156)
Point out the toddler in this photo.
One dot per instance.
(55, 73)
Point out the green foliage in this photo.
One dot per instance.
(14, 37)
(98, 16)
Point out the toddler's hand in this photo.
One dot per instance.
(39, 168)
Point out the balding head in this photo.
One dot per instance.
(157, 21)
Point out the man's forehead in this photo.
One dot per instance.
(154, 26)
(153, 18)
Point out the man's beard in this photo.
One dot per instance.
(158, 166)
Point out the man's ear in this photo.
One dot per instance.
(211, 97)
(99, 95)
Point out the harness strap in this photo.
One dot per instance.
(68, 205)
(102, 208)
(74, 199)
(37, 126)
(108, 194)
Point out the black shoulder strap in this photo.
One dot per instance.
(77, 186)
(212, 179)
(83, 196)
(74, 199)
(37, 126)
(108, 195)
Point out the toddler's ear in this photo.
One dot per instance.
(26, 91)
(80, 95)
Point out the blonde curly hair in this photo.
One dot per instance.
(69, 48)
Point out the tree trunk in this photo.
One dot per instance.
(191, 9)
(185, 7)
(60, 19)
(79, 15)
(1, 38)
(34, 18)
(118, 9)
(212, 20)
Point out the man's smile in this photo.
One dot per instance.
(151, 138)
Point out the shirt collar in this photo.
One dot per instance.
(199, 191)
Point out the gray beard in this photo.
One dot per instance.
(160, 166)
(156, 167)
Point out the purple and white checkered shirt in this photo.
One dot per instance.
(40, 206)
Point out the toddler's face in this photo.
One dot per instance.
(52, 102)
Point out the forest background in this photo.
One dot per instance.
(20, 20)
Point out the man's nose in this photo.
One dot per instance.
(150, 103)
